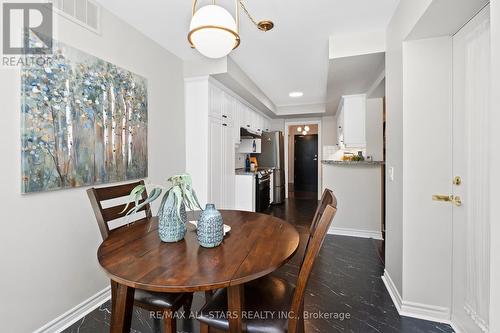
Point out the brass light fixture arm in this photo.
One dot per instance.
(247, 13)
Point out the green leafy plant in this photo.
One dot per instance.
(181, 190)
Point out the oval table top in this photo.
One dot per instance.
(257, 245)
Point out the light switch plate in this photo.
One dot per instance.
(391, 174)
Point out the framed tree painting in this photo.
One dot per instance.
(84, 122)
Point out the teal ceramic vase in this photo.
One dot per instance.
(210, 228)
(172, 226)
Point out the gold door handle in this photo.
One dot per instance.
(440, 197)
(456, 200)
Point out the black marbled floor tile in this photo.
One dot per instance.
(345, 282)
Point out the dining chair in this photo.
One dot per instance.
(166, 303)
(328, 198)
(271, 295)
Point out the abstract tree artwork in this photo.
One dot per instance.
(84, 122)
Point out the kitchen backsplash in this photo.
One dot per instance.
(335, 154)
(239, 161)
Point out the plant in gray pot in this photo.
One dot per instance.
(172, 212)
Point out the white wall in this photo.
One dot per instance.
(329, 129)
(375, 128)
(494, 167)
(427, 125)
(403, 21)
(278, 124)
(359, 193)
(49, 241)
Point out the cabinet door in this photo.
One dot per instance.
(237, 113)
(228, 175)
(216, 102)
(260, 122)
(215, 156)
(227, 109)
(354, 119)
(340, 127)
(267, 124)
(254, 120)
(247, 116)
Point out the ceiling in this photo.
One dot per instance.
(351, 76)
(291, 57)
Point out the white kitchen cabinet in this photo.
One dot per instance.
(228, 107)
(245, 192)
(215, 100)
(214, 115)
(228, 166)
(237, 114)
(351, 121)
(221, 163)
(267, 125)
(216, 161)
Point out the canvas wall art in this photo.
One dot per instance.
(84, 122)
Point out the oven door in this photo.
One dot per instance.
(262, 193)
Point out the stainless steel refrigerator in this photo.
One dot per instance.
(273, 156)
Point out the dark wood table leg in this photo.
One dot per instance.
(235, 303)
(121, 316)
(113, 295)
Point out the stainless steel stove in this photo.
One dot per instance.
(263, 189)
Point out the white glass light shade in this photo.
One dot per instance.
(213, 32)
(299, 129)
(306, 128)
(304, 133)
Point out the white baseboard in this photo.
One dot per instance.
(457, 328)
(71, 316)
(355, 233)
(415, 310)
(393, 291)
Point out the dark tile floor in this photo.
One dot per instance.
(345, 283)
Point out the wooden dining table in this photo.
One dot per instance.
(135, 258)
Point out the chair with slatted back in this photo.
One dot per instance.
(271, 295)
(327, 199)
(167, 303)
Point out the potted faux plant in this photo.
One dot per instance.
(172, 212)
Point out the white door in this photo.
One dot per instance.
(228, 180)
(215, 157)
(471, 50)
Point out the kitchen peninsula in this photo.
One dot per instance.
(358, 186)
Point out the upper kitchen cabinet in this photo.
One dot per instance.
(252, 120)
(351, 121)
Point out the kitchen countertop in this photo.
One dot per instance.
(331, 162)
(243, 172)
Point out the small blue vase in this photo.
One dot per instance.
(171, 226)
(210, 228)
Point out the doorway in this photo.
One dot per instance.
(471, 79)
(306, 163)
(303, 156)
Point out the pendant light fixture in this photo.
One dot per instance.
(215, 33)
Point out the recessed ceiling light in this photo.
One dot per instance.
(296, 94)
